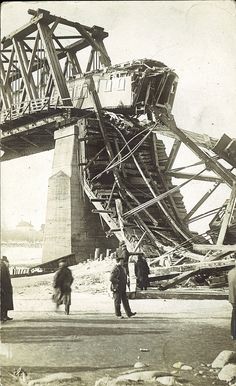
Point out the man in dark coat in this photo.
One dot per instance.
(232, 299)
(62, 286)
(142, 271)
(6, 290)
(118, 280)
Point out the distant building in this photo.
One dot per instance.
(25, 231)
(25, 226)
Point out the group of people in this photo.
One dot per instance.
(119, 279)
(63, 280)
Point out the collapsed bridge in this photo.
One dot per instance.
(112, 178)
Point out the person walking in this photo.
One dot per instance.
(118, 280)
(141, 270)
(232, 299)
(62, 282)
(6, 290)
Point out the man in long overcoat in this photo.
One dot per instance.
(62, 286)
(232, 299)
(6, 290)
(118, 280)
(142, 271)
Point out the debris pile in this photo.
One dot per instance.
(206, 273)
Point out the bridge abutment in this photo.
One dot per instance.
(70, 225)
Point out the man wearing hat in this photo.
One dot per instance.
(62, 286)
(6, 290)
(118, 280)
(122, 252)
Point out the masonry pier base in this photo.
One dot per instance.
(70, 225)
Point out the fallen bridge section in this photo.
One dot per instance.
(175, 275)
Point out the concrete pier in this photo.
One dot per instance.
(70, 225)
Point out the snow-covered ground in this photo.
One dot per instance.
(91, 276)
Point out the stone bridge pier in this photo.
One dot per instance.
(70, 225)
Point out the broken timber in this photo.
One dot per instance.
(183, 273)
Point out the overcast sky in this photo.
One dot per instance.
(196, 38)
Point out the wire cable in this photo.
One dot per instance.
(112, 165)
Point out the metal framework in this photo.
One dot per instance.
(36, 59)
